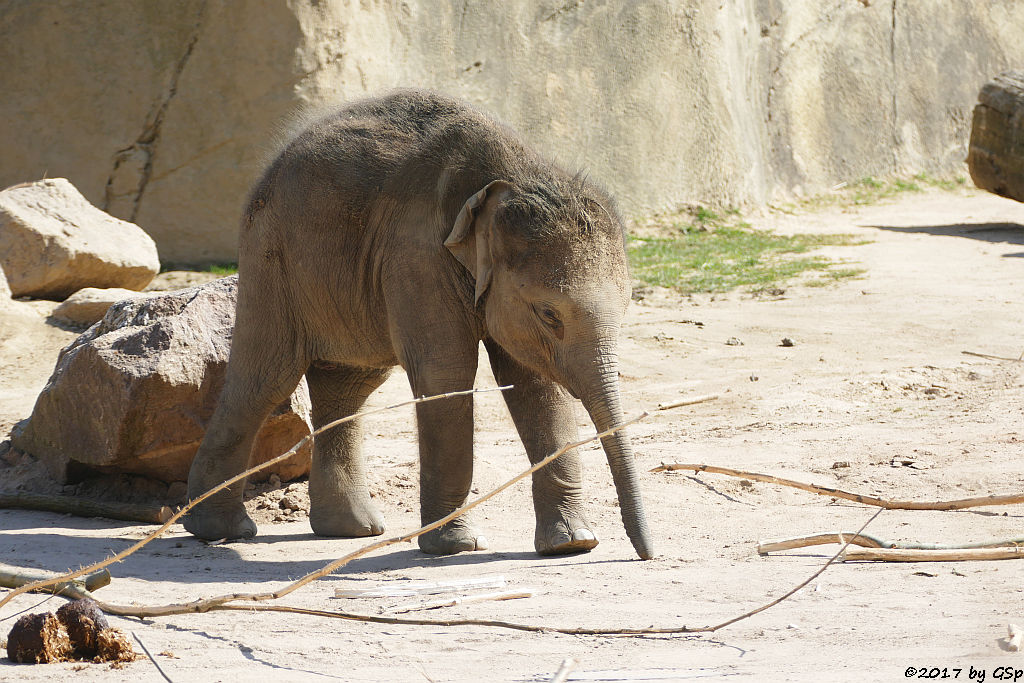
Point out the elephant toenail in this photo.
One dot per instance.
(481, 543)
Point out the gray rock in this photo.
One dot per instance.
(53, 242)
(995, 155)
(134, 392)
(88, 306)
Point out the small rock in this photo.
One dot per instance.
(290, 502)
(87, 306)
(274, 481)
(754, 378)
(786, 341)
(839, 464)
(733, 341)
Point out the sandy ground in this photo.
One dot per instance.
(876, 378)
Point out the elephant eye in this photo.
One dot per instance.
(550, 318)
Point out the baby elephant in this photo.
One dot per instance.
(404, 230)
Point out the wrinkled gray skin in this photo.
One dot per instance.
(403, 231)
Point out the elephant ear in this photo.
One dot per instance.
(471, 238)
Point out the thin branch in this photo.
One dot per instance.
(151, 657)
(866, 541)
(204, 605)
(812, 577)
(911, 555)
(988, 357)
(217, 606)
(959, 504)
(192, 503)
(687, 402)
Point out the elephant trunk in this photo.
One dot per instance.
(602, 402)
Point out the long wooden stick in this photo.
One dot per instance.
(866, 541)
(959, 504)
(909, 555)
(533, 628)
(223, 485)
(204, 605)
(83, 507)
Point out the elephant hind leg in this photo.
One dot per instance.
(339, 496)
(265, 366)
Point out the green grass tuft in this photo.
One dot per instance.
(223, 269)
(713, 254)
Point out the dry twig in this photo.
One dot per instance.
(223, 485)
(989, 357)
(911, 555)
(959, 504)
(533, 628)
(866, 541)
(687, 402)
(463, 600)
(203, 605)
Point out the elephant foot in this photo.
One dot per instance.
(345, 516)
(564, 536)
(454, 537)
(212, 524)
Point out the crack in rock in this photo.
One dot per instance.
(133, 165)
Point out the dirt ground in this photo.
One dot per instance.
(875, 395)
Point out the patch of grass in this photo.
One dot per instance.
(709, 253)
(869, 190)
(223, 269)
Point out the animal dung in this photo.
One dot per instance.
(84, 621)
(79, 630)
(38, 639)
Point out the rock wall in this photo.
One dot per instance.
(164, 113)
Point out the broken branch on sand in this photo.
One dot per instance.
(913, 555)
(223, 485)
(959, 504)
(83, 507)
(866, 541)
(14, 577)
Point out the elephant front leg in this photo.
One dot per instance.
(544, 416)
(446, 472)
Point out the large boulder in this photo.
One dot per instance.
(995, 156)
(54, 242)
(134, 393)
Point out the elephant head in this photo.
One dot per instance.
(549, 264)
